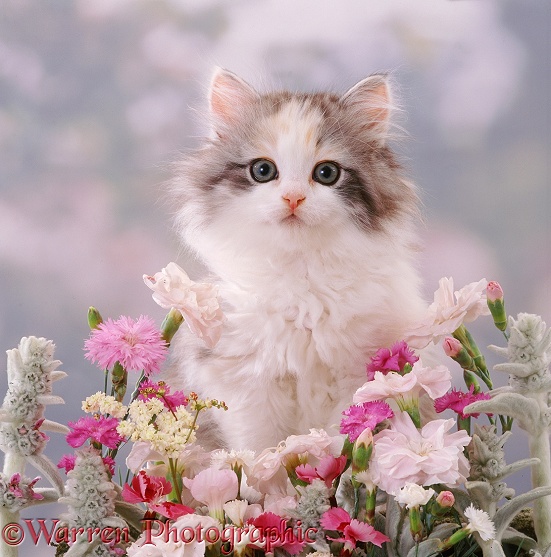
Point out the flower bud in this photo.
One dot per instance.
(455, 350)
(94, 318)
(494, 295)
(171, 324)
(361, 453)
(445, 499)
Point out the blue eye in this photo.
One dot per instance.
(326, 173)
(263, 170)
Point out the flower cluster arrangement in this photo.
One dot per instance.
(403, 478)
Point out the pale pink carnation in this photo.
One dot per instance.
(435, 381)
(136, 345)
(268, 474)
(213, 487)
(198, 302)
(403, 454)
(448, 311)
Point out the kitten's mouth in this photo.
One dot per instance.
(292, 220)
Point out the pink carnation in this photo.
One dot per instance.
(145, 488)
(327, 470)
(457, 400)
(354, 531)
(100, 430)
(270, 522)
(403, 454)
(136, 345)
(362, 416)
(391, 359)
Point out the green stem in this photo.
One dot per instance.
(176, 487)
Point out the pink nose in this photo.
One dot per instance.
(293, 200)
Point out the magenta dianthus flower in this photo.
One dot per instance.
(101, 430)
(363, 416)
(136, 345)
(148, 389)
(457, 400)
(391, 359)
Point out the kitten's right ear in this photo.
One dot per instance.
(371, 100)
(229, 96)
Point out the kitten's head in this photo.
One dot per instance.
(291, 170)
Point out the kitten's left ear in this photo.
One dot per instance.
(371, 98)
(229, 96)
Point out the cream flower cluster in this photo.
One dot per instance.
(104, 404)
(166, 431)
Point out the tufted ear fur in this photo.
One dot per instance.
(229, 96)
(371, 99)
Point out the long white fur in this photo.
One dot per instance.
(306, 303)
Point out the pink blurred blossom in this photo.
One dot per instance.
(136, 345)
(403, 454)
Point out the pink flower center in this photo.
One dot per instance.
(130, 338)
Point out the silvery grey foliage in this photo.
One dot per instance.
(90, 496)
(527, 400)
(314, 501)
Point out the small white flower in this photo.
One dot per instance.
(480, 522)
(413, 495)
(233, 459)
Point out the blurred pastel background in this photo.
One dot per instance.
(97, 97)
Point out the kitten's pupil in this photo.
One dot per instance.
(326, 173)
(263, 170)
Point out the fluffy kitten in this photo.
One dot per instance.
(300, 210)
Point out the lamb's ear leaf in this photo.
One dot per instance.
(229, 96)
(371, 98)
